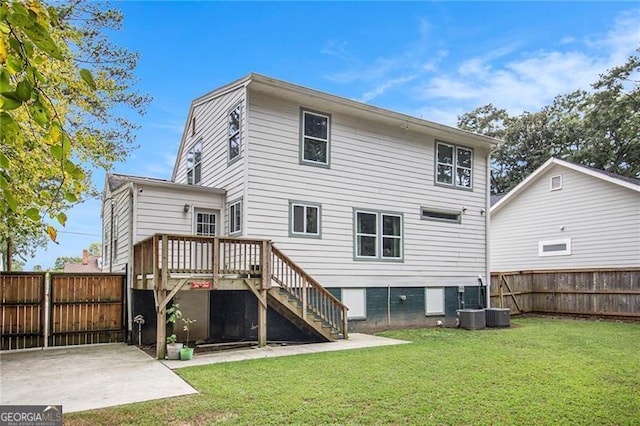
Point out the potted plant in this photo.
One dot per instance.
(173, 348)
(186, 352)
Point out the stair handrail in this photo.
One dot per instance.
(306, 277)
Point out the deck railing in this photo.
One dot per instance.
(162, 255)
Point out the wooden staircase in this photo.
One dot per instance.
(170, 263)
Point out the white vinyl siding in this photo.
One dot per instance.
(601, 219)
(374, 166)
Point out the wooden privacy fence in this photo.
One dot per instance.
(59, 309)
(601, 292)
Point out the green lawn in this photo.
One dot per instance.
(540, 371)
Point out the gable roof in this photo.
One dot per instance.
(626, 182)
(92, 265)
(274, 86)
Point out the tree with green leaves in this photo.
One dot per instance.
(63, 260)
(95, 249)
(599, 129)
(65, 89)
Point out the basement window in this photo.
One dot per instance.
(556, 182)
(554, 247)
(450, 216)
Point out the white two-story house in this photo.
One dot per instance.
(388, 212)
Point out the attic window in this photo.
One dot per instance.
(556, 182)
(234, 133)
(440, 215)
(193, 126)
(554, 247)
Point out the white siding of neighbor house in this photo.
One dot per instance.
(211, 127)
(373, 166)
(601, 219)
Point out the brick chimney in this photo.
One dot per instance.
(85, 257)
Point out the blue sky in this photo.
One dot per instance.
(434, 60)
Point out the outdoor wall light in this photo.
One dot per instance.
(186, 208)
(403, 297)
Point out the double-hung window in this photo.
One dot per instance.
(194, 164)
(378, 235)
(235, 217)
(304, 219)
(454, 165)
(233, 130)
(314, 144)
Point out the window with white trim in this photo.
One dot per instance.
(206, 223)
(233, 130)
(304, 219)
(356, 300)
(554, 247)
(454, 165)
(434, 301)
(194, 164)
(314, 144)
(235, 217)
(556, 182)
(378, 235)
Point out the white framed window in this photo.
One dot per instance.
(378, 235)
(556, 182)
(206, 223)
(356, 300)
(314, 138)
(304, 219)
(451, 216)
(434, 301)
(194, 164)
(554, 247)
(233, 130)
(235, 217)
(454, 165)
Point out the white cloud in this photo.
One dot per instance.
(510, 76)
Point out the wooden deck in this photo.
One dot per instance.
(167, 264)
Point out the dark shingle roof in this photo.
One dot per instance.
(115, 180)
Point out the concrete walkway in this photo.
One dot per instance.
(86, 377)
(355, 341)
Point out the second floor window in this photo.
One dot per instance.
(234, 133)
(194, 164)
(315, 131)
(454, 165)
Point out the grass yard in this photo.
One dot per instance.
(540, 371)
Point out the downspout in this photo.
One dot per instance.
(487, 223)
(132, 199)
(111, 240)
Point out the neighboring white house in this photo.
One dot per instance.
(387, 211)
(567, 216)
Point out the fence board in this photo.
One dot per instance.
(604, 292)
(21, 298)
(86, 309)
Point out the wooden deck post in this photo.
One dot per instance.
(262, 319)
(161, 294)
